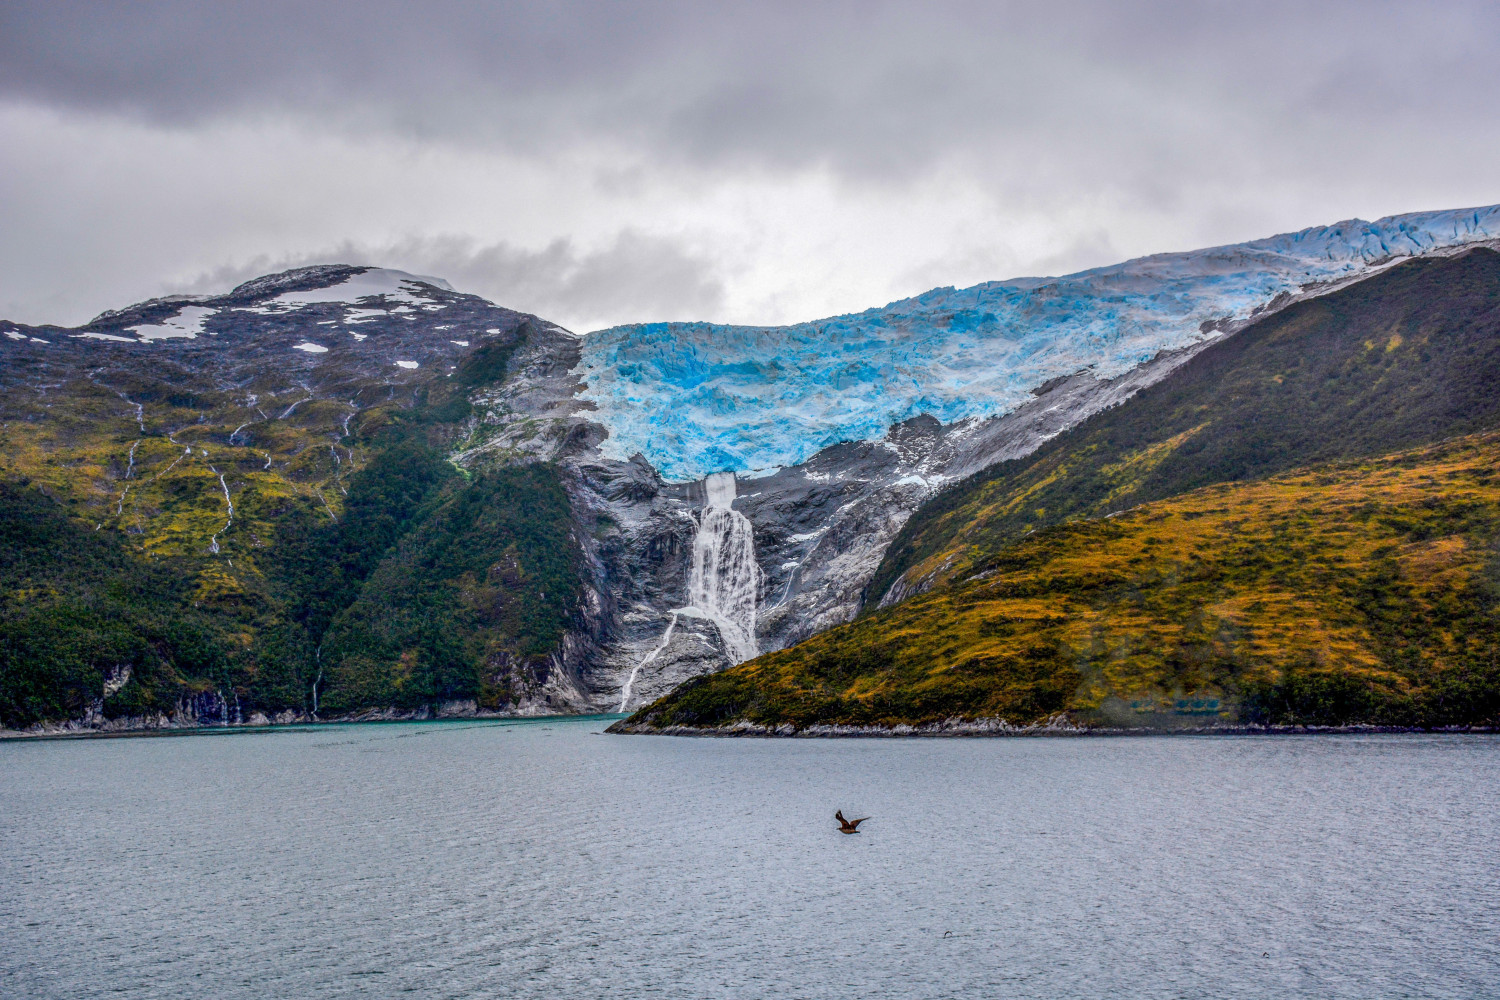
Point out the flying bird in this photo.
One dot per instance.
(848, 825)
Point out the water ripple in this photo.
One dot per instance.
(533, 859)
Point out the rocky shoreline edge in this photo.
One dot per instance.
(1058, 726)
(960, 728)
(187, 723)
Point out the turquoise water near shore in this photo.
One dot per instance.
(540, 859)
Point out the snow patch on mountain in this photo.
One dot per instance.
(368, 294)
(396, 286)
(187, 324)
(698, 398)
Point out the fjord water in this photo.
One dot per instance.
(538, 859)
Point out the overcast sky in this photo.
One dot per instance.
(761, 162)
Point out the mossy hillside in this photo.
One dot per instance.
(1365, 592)
(1406, 357)
(156, 477)
(263, 636)
(142, 451)
(322, 492)
(140, 471)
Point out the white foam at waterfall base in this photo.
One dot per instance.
(724, 585)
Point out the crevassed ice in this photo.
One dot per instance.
(697, 398)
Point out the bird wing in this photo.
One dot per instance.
(840, 817)
(856, 822)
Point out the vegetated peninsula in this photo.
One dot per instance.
(1299, 526)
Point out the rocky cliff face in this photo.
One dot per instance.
(820, 528)
(1240, 544)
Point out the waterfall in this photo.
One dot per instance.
(213, 543)
(725, 581)
(726, 578)
(630, 681)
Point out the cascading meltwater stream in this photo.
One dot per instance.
(725, 581)
(724, 585)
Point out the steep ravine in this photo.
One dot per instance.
(673, 580)
(689, 578)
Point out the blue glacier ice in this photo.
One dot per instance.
(698, 398)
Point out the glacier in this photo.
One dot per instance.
(700, 398)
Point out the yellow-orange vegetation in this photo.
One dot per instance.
(170, 501)
(1378, 578)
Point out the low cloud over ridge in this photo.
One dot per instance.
(647, 277)
(804, 159)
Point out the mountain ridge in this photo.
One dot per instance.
(245, 438)
(1043, 585)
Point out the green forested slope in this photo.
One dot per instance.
(78, 608)
(483, 583)
(431, 588)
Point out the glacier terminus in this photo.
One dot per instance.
(696, 398)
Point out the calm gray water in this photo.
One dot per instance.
(537, 859)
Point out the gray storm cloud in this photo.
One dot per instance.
(1011, 131)
(866, 86)
(636, 275)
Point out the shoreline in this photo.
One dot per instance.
(1000, 729)
(949, 729)
(76, 731)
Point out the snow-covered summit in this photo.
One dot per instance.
(365, 293)
(312, 324)
(696, 398)
(337, 283)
